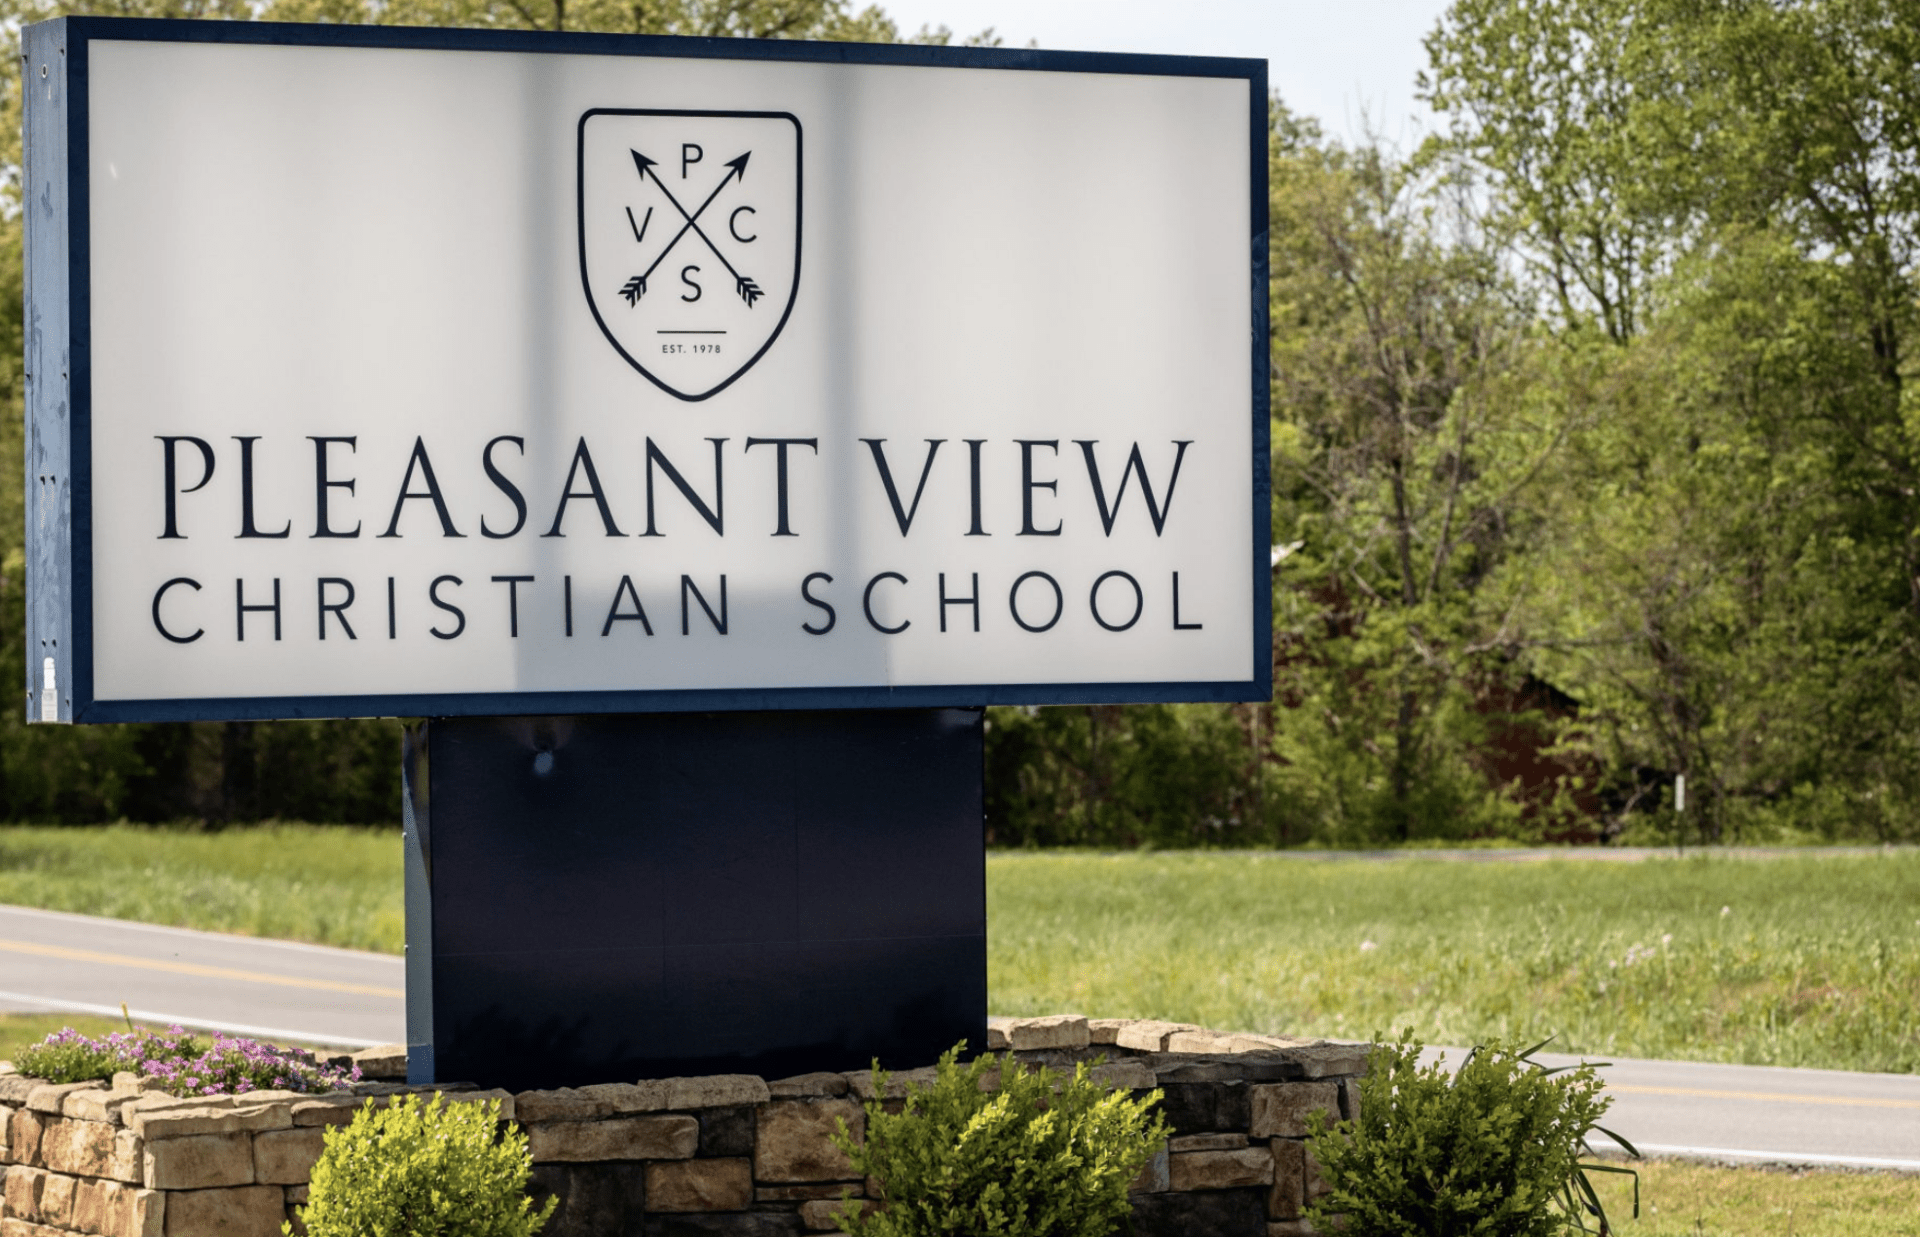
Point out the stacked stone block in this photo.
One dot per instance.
(1237, 1164)
(726, 1156)
(126, 1160)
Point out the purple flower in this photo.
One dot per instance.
(185, 1064)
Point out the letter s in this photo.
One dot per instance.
(505, 486)
(433, 595)
(806, 591)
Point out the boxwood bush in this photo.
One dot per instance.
(1491, 1151)
(433, 1169)
(993, 1148)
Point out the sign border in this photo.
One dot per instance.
(58, 508)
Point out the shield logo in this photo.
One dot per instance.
(690, 239)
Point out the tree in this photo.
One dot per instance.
(1542, 106)
(1728, 580)
(755, 19)
(1407, 446)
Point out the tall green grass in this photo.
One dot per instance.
(1806, 961)
(19, 1031)
(332, 885)
(1680, 1199)
(1815, 960)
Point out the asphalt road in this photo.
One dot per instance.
(1577, 854)
(211, 980)
(1759, 1114)
(53, 961)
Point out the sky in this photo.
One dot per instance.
(1351, 63)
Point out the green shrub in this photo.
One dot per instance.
(993, 1150)
(1492, 1151)
(423, 1170)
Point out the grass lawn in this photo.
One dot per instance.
(1698, 1200)
(1815, 960)
(331, 885)
(1809, 961)
(19, 1031)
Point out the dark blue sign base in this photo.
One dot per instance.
(609, 898)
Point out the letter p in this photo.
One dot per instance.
(171, 478)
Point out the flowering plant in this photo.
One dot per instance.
(184, 1064)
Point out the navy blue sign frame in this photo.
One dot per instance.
(58, 443)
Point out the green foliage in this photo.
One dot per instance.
(1687, 1199)
(1730, 541)
(436, 1169)
(1492, 1151)
(1813, 962)
(1539, 95)
(757, 19)
(1407, 454)
(1103, 775)
(331, 885)
(994, 1150)
(18, 1032)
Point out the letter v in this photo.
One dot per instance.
(902, 517)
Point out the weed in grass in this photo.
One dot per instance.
(1814, 962)
(332, 885)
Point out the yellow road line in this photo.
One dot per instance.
(191, 968)
(1768, 1096)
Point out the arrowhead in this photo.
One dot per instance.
(641, 163)
(739, 165)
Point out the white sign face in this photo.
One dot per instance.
(422, 378)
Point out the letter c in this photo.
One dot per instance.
(733, 224)
(866, 603)
(162, 627)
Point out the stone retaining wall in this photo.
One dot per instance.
(726, 1156)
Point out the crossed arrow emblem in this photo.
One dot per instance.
(636, 287)
(659, 242)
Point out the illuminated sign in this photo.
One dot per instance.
(386, 371)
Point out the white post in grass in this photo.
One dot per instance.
(1680, 792)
